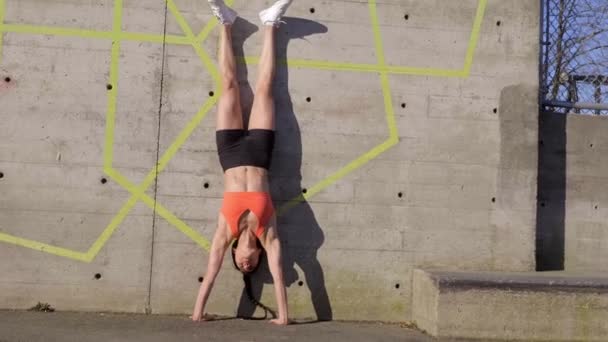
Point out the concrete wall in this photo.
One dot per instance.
(430, 162)
(574, 191)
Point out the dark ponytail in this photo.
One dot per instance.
(247, 281)
(249, 292)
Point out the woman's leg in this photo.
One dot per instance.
(229, 113)
(262, 112)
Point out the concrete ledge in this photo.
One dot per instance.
(548, 306)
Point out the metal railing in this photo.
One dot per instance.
(574, 56)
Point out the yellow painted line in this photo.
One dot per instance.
(155, 38)
(387, 93)
(111, 228)
(207, 62)
(202, 36)
(373, 13)
(421, 71)
(110, 125)
(138, 194)
(43, 247)
(390, 110)
(386, 88)
(71, 254)
(358, 67)
(108, 153)
(56, 31)
(185, 133)
(92, 34)
(183, 227)
(479, 14)
(2, 10)
(317, 64)
(343, 172)
(377, 150)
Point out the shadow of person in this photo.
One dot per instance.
(300, 233)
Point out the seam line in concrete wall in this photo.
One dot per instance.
(160, 113)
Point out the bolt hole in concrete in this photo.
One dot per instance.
(406, 17)
(300, 283)
(206, 185)
(403, 105)
(397, 285)
(498, 23)
(7, 79)
(200, 279)
(495, 110)
(109, 87)
(104, 181)
(211, 93)
(97, 275)
(308, 99)
(596, 207)
(591, 145)
(400, 195)
(1, 175)
(493, 199)
(312, 10)
(304, 191)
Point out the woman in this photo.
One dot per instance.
(247, 215)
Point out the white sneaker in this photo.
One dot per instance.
(222, 12)
(273, 14)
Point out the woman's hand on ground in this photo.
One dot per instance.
(280, 321)
(199, 318)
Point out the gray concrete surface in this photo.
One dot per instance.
(574, 199)
(534, 306)
(17, 326)
(586, 219)
(457, 190)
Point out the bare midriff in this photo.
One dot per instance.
(246, 179)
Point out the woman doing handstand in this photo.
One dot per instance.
(247, 216)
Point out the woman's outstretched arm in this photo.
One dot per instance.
(272, 244)
(220, 243)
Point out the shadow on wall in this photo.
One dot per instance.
(551, 199)
(299, 230)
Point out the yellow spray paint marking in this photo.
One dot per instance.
(138, 192)
(91, 34)
(468, 60)
(43, 247)
(202, 36)
(113, 84)
(160, 209)
(377, 150)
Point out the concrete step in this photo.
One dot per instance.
(541, 306)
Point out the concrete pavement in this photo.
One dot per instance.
(77, 326)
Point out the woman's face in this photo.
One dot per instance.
(247, 258)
